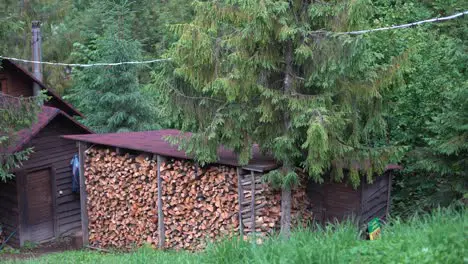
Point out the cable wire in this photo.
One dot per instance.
(358, 32)
(438, 19)
(84, 65)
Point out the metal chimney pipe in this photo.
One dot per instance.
(36, 54)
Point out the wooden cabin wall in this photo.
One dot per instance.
(17, 84)
(52, 151)
(375, 198)
(333, 201)
(9, 210)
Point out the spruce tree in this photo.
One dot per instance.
(111, 97)
(16, 113)
(269, 72)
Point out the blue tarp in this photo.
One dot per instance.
(75, 163)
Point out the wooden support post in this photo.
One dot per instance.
(161, 230)
(240, 193)
(197, 174)
(252, 202)
(83, 194)
(119, 151)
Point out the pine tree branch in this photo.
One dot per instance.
(180, 93)
(298, 77)
(291, 5)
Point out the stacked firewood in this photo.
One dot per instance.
(122, 199)
(267, 207)
(199, 204)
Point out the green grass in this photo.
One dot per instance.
(437, 238)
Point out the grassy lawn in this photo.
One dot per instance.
(437, 238)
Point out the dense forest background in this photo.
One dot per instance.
(425, 109)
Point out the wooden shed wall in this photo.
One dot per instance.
(52, 151)
(375, 198)
(9, 210)
(333, 201)
(338, 201)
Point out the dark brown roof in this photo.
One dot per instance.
(155, 142)
(56, 99)
(43, 119)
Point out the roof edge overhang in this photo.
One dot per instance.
(56, 114)
(264, 167)
(260, 166)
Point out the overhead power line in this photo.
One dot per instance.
(438, 19)
(358, 32)
(85, 65)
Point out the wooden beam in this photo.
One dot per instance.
(197, 174)
(83, 195)
(250, 168)
(161, 228)
(240, 193)
(257, 207)
(252, 201)
(119, 151)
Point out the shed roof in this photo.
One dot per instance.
(155, 142)
(46, 115)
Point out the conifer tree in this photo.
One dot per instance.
(16, 113)
(267, 72)
(111, 97)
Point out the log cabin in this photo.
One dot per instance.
(115, 165)
(38, 204)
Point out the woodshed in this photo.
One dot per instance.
(140, 189)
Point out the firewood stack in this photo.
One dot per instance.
(267, 209)
(122, 196)
(199, 204)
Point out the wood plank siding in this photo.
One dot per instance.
(343, 201)
(338, 201)
(9, 210)
(16, 84)
(55, 153)
(333, 201)
(375, 198)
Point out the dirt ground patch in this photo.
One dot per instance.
(34, 251)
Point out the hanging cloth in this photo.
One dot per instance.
(75, 163)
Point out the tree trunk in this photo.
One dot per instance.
(286, 190)
(286, 212)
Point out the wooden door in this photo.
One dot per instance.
(39, 206)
